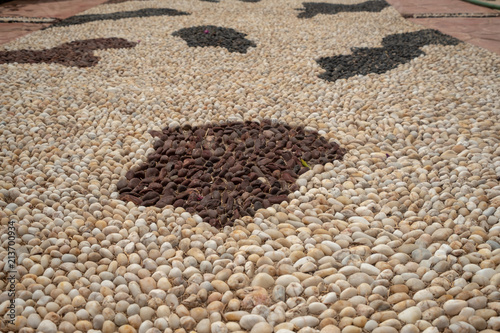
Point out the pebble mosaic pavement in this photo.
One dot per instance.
(398, 231)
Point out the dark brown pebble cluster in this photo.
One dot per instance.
(397, 49)
(145, 12)
(210, 35)
(78, 53)
(223, 172)
(110, 2)
(314, 8)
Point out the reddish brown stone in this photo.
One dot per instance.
(227, 171)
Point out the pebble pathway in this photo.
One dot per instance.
(398, 232)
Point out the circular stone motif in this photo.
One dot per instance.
(224, 172)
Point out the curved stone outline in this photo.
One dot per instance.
(397, 49)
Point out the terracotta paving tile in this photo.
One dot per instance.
(48, 8)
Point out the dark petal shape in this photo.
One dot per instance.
(229, 178)
(209, 35)
(178, 203)
(122, 183)
(314, 8)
